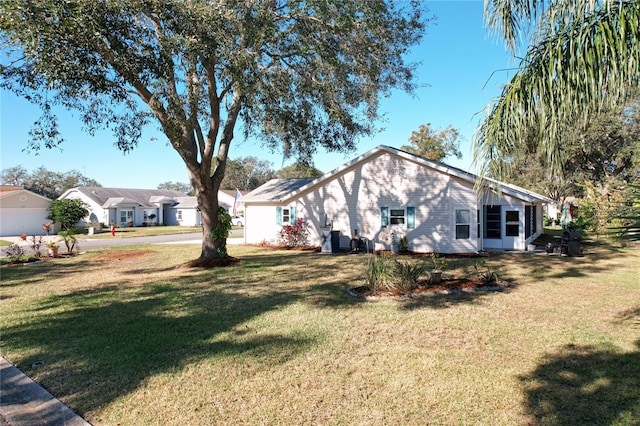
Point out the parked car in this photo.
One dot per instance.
(237, 220)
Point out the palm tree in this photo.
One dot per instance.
(583, 58)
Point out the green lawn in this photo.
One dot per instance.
(127, 338)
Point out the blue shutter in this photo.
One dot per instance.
(278, 215)
(411, 217)
(292, 215)
(384, 216)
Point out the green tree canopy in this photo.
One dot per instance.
(299, 170)
(247, 173)
(45, 182)
(177, 186)
(298, 75)
(583, 59)
(67, 212)
(434, 144)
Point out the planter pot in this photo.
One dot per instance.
(435, 276)
(53, 252)
(395, 248)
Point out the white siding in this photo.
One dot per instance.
(352, 200)
(260, 224)
(96, 212)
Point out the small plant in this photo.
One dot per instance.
(14, 252)
(377, 272)
(34, 242)
(46, 227)
(51, 244)
(484, 272)
(438, 264)
(220, 231)
(296, 235)
(69, 239)
(404, 244)
(406, 275)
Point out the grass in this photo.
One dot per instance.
(146, 231)
(129, 338)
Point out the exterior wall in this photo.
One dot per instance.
(96, 212)
(260, 224)
(352, 200)
(23, 213)
(512, 243)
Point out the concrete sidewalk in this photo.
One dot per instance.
(23, 402)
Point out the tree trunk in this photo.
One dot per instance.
(208, 204)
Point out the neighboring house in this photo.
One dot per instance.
(124, 205)
(22, 211)
(387, 192)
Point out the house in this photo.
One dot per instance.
(142, 206)
(22, 211)
(388, 194)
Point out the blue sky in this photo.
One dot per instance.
(463, 69)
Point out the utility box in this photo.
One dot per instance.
(335, 241)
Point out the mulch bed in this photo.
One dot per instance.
(446, 286)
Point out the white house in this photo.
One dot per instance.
(22, 211)
(123, 205)
(387, 193)
(142, 206)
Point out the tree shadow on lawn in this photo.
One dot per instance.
(585, 385)
(98, 345)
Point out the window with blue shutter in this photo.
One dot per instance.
(278, 215)
(384, 217)
(292, 215)
(411, 217)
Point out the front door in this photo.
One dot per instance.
(512, 229)
(126, 216)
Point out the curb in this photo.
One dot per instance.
(24, 402)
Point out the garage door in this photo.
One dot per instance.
(22, 221)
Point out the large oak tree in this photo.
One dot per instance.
(297, 75)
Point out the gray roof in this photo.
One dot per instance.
(144, 197)
(281, 190)
(276, 189)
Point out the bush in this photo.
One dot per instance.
(294, 235)
(14, 252)
(383, 274)
(407, 275)
(377, 272)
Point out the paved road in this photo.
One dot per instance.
(86, 242)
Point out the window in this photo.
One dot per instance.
(492, 222)
(512, 228)
(463, 224)
(179, 216)
(398, 217)
(126, 216)
(530, 217)
(285, 215)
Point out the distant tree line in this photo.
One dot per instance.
(244, 174)
(45, 182)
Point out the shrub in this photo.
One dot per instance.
(484, 272)
(69, 239)
(406, 275)
(377, 272)
(14, 252)
(296, 235)
(383, 273)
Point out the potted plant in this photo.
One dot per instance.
(52, 248)
(404, 244)
(439, 265)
